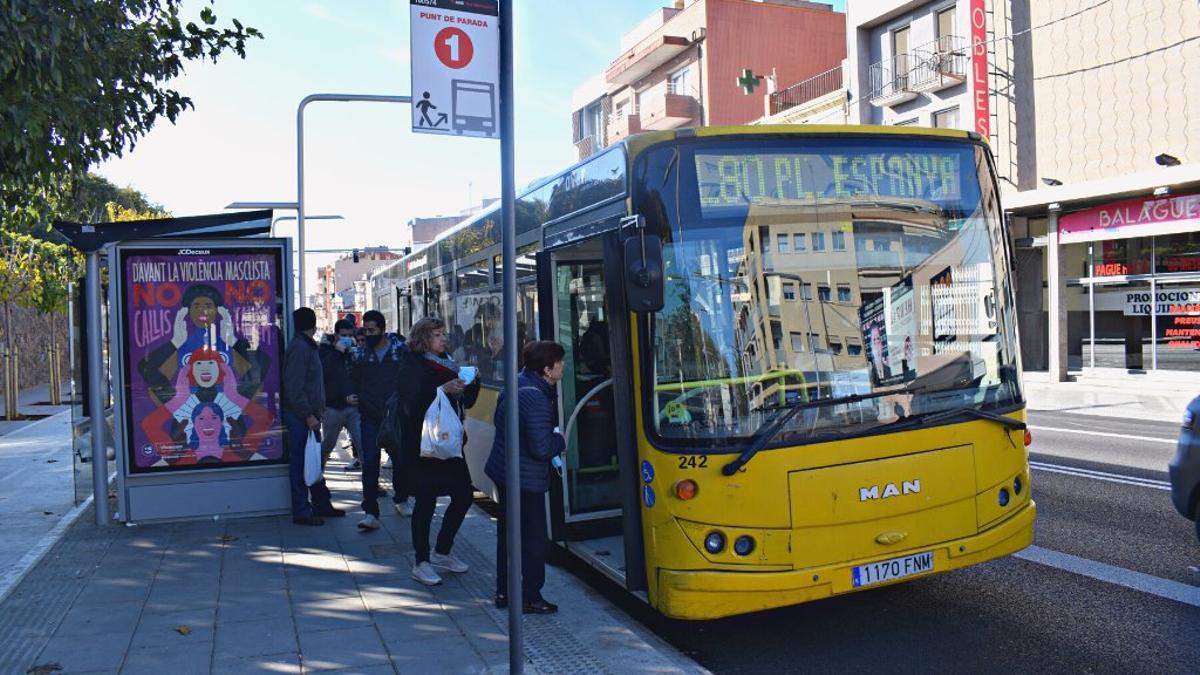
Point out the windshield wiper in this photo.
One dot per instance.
(764, 436)
(934, 417)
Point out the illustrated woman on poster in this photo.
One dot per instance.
(206, 386)
(203, 321)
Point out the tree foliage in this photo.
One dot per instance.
(82, 81)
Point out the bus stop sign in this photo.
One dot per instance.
(455, 48)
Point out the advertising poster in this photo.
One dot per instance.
(203, 348)
(889, 331)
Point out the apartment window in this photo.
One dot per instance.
(621, 109)
(678, 81)
(798, 243)
(789, 291)
(945, 26)
(853, 348)
(835, 346)
(797, 341)
(906, 123)
(806, 291)
(946, 119)
(777, 335)
(900, 52)
(844, 293)
(839, 240)
(813, 342)
(823, 293)
(782, 239)
(818, 241)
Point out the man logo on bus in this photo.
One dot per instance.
(908, 487)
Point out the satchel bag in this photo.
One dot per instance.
(442, 431)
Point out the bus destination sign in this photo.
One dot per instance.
(748, 178)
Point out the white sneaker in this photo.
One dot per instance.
(404, 508)
(449, 562)
(425, 574)
(369, 522)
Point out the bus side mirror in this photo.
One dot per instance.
(644, 288)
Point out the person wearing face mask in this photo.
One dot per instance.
(303, 406)
(375, 372)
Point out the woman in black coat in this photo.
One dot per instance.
(540, 443)
(426, 367)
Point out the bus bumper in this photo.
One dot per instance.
(684, 594)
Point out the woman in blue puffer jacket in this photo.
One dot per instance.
(540, 442)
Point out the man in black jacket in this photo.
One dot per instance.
(341, 403)
(303, 407)
(375, 375)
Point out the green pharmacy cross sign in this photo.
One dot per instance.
(748, 81)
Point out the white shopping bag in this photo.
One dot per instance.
(312, 460)
(442, 432)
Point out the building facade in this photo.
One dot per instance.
(1092, 111)
(681, 66)
(339, 294)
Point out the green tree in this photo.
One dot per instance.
(91, 197)
(82, 81)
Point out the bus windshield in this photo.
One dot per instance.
(868, 270)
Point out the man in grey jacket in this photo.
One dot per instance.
(303, 406)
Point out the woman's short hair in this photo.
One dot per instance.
(202, 291)
(422, 334)
(542, 354)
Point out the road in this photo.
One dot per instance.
(1106, 587)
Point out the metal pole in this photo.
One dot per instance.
(370, 98)
(95, 347)
(508, 208)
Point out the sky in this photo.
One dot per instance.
(362, 160)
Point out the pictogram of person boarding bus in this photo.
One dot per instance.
(473, 106)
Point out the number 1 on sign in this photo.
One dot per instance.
(452, 43)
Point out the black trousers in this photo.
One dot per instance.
(534, 540)
(428, 480)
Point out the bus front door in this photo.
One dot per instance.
(594, 507)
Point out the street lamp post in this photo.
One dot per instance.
(320, 217)
(311, 98)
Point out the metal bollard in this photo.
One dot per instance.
(16, 382)
(10, 401)
(52, 359)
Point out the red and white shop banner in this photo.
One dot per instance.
(1132, 218)
(979, 69)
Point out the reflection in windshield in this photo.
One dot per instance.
(778, 295)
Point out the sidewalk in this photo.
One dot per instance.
(1108, 398)
(264, 595)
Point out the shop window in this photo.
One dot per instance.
(1121, 257)
(1177, 253)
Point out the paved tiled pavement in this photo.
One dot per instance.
(264, 595)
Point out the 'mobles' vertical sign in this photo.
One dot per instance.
(455, 67)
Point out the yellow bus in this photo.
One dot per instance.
(792, 365)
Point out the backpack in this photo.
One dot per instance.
(389, 426)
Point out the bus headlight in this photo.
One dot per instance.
(714, 543)
(1003, 496)
(743, 545)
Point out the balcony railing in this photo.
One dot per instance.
(808, 90)
(936, 65)
(588, 146)
(620, 118)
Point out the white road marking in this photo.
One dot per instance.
(1138, 581)
(1151, 439)
(1101, 475)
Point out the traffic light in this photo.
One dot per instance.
(355, 255)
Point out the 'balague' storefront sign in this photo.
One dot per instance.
(1132, 218)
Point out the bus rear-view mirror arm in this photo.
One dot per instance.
(644, 285)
